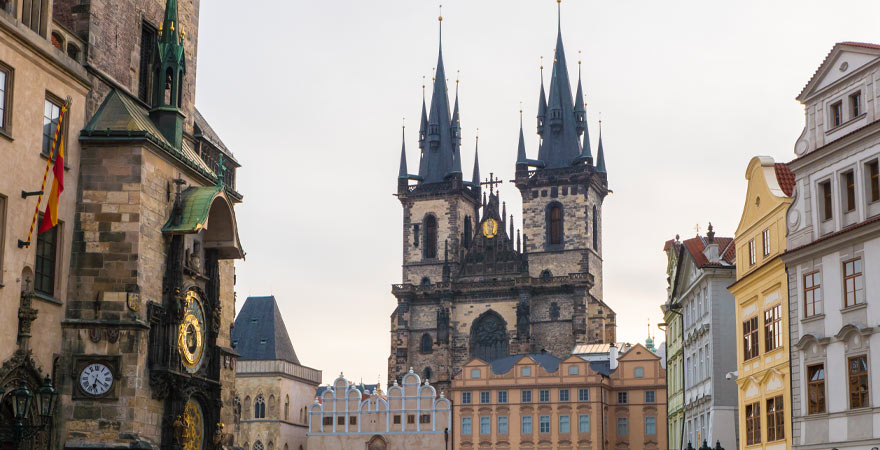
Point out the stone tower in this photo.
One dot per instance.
(474, 287)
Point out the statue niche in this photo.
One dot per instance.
(489, 337)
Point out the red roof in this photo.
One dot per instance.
(850, 43)
(785, 178)
(725, 248)
(861, 44)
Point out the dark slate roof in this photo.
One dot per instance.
(260, 320)
(204, 131)
(440, 155)
(547, 361)
(601, 367)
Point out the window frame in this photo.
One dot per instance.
(526, 421)
(752, 253)
(544, 396)
(750, 338)
(773, 329)
(502, 428)
(502, 396)
(753, 423)
(836, 114)
(622, 398)
(431, 236)
(542, 422)
(810, 293)
(567, 395)
(583, 423)
(466, 398)
(652, 398)
(855, 104)
(864, 399)
(53, 264)
(827, 205)
(765, 238)
(817, 386)
(466, 426)
(555, 225)
(485, 425)
(583, 394)
(775, 418)
(623, 426)
(873, 183)
(6, 102)
(62, 134)
(650, 425)
(485, 397)
(525, 393)
(564, 422)
(848, 182)
(855, 279)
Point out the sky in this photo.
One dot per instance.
(310, 97)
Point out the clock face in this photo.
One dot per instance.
(96, 379)
(490, 228)
(191, 333)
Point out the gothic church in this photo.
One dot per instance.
(470, 287)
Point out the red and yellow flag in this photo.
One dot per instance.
(50, 218)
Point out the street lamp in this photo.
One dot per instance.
(22, 404)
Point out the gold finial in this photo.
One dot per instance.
(160, 29)
(457, 76)
(171, 26)
(404, 122)
(478, 134)
(579, 57)
(558, 1)
(441, 14)
(182, 32)
(542, 63)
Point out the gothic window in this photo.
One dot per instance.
(377, 443)
(554, 224)
(287, 407)
(546, 274)
(271, 446)
(468, 232)
(247, 407)
(426, 281)
(416, 234)
(430, 237)
(259, 408)
(595, 229)
(273, 407)
(554, 311)
(57, 40)
(426, 344)
(427, 373)
(489, 337)
(258, 445)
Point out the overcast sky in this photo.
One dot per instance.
(310, 96)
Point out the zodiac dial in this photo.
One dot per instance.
(191, 334)
(194, 426)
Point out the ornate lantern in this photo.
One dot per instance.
(48, 398)
(21, 401)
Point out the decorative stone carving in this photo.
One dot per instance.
(489, 337)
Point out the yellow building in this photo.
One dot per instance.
(761, 295)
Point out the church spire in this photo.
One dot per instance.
(170, 68)
(423, 125)
(475, 179)
(580, 111)
(403, 173)
(542, 103)
(560, 145)
(456, 135)
(438, 159)
(521, 148)
(600, 157)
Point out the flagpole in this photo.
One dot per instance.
(64, 107)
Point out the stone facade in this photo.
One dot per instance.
(539, 401)
(32, 70)
(704, 269)
(410, 416)
(834, 254)
(761, 292)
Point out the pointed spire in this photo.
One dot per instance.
(521, 148)
(403, 173)
(510, 236)
(580, 111)
(600, 157)
(542, 103)
(167, 89)
(518, 241)
(438, 158)
(456, 134)
(423, 125)
(475, 179)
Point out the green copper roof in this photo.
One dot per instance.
(197, 203)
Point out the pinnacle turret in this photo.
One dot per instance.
(439, 155)
(600, 156)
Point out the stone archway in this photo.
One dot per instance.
(489, 340)
(21, 368)
(377, 443)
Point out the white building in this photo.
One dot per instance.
(706, 266)
(833, 261)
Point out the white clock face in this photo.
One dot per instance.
(96, 379)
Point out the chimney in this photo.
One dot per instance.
(612, 357)
(711, 250)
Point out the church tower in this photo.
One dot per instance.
(563, 189)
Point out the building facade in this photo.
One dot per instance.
(672, 319)
(410, 416)
(704, 268)
(472, 289)
(37, 78)
(761, 293)
(272, 389)
(833, 256)
(133, 291)
(540, 401)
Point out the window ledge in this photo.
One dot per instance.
(48, 299)
(6, 135)
(854, 307)
(844, 124)
(813, 318)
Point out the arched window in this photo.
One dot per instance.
(57, 40)
(73, 52)
(426, 344)
(595, 229)
(489, 337)
(426, 374)
(259, 410)
(554, 221)
(468, 231)
(273, 407)
(247, 407)
(271, 446)
(258, 446)
(430, 237)
(286, 407)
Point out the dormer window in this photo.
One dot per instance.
(855, 104)
(836, 114)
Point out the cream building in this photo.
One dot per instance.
(539, 401)
(833, 256)
(272, 389)
(411, 416)
(761, 294)
(36, 77)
